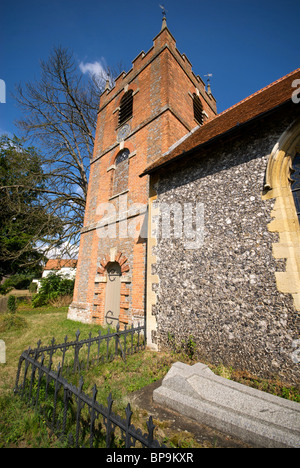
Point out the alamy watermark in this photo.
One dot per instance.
(2, 92)
(296, 93)
(178, 221)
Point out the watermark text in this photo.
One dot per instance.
(2, 92)
(296, 93)
(178, 221)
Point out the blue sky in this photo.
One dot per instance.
(245, 44)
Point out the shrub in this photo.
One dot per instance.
(33, 287)
(53, 287)
(12, 304)
(61, 301)
(17, 281)
(5, 289)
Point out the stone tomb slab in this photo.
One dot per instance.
(254, 416)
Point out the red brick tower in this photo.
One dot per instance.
(149, 109)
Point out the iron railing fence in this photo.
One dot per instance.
(79, 355)
(75, 417)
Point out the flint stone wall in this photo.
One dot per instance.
(224, 293)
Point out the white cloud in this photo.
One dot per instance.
(98, 70)
(93, 68)
(66, 250)
(79, 190)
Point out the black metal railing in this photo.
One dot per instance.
(78, 355)
(77, 418)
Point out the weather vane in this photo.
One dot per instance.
(164, 11)
(208, 76)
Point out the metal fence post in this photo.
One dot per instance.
(109, 429)
(93, 416)
(76, 352)
(80, 405)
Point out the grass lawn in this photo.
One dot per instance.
(21, 427)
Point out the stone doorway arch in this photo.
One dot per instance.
(112, 294)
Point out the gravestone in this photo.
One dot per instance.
(3, 305)
(252, 415)
(2, 352)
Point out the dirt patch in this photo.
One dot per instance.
(178, 429)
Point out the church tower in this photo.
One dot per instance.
(150, 108)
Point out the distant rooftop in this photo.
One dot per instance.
(58, 263)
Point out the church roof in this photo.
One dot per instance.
(256, 105)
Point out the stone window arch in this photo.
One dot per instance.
(280, 184)
(120, 178)
(295, 182)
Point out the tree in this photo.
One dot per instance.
(60, 113)
(25, 223)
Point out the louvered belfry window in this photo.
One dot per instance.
(198, 109)
(295, 183)
(125, 111)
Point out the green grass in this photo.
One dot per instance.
(20, 426)
(273, 386)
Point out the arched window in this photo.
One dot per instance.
(120, 183)
(122, 156)
(198, 109)
(283, 184)
(125, 111)
(295, 183)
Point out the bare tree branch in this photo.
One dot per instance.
(60, 113)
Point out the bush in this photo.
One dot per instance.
(61, 301)
(33, 287)
(53, 287)
(5, 288)
(12, 304)
(17, 281)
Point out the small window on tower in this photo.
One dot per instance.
(122, 156)
(125, 111)
(198, 109)
(120, 180)
(295, 181)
